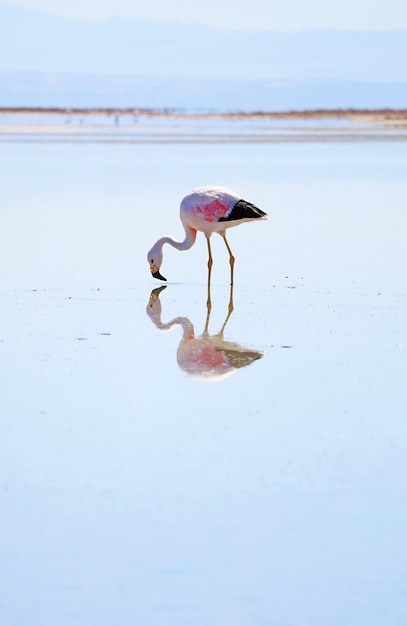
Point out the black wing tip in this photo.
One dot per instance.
(244, 210)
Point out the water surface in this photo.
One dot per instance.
(131, 490)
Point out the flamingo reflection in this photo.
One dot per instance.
(207, 357)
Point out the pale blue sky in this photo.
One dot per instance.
(256, 14)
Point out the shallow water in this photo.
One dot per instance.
(134, 491)
(149, 127)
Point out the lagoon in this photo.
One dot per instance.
(133, 492)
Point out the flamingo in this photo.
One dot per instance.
(206, 357)
(209, 209)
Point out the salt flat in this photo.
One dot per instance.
(132, 492)
(166, 126)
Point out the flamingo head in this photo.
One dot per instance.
(155, 258)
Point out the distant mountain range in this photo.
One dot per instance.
(50, 61)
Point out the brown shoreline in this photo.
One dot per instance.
(367, 115)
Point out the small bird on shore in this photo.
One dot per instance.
(209, 209)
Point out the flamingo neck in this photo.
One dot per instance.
(190, 236)
(186, 325)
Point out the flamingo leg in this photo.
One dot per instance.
(208, 314)
(230, 310)
(210, 263)
(231, 259)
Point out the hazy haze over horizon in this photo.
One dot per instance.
(51, 60)
(258, 14)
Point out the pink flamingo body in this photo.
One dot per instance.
(208, 209)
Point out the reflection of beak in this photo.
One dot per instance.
(156, 292)
(158, 275)
(154, 296)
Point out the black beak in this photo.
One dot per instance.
(158, 290)
(158, 275)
